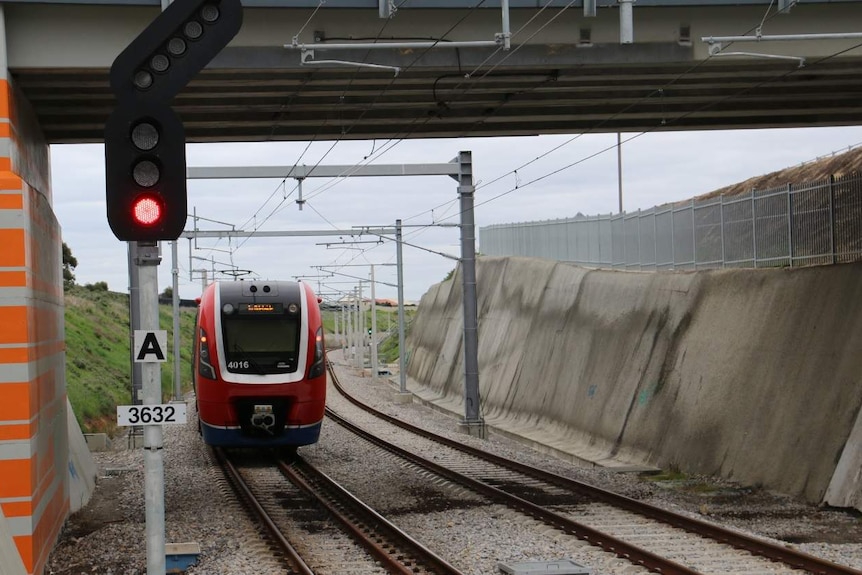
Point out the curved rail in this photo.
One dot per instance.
(790, 557)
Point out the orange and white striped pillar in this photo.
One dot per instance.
(34, 450)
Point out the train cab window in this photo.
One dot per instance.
(262, 344)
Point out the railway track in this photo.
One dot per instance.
(656, 539)
(316, 526)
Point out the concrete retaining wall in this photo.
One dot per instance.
(752, 375)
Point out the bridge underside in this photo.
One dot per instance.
(266, 94)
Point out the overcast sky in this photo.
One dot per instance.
(657, 168)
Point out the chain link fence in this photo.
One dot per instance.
(794, 225)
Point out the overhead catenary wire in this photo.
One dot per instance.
(522, 185)
(604, 121)
(579, 135)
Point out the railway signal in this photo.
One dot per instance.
(159, 63)
(145, 155)
(145, 161)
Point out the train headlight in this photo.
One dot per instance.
(316, 369)
(205, 367)
(227, 309)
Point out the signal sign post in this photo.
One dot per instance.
(145, 174)
(154, 466)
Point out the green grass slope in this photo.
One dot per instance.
(98, 359)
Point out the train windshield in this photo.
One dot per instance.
(261, 345)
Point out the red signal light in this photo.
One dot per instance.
(147, 210)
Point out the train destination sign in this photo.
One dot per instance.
(256, 308)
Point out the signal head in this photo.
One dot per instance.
(145, 173)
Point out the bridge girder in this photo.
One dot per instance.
(257, 91)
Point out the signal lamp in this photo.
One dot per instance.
(147, 210)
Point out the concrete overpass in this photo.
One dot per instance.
(566, 70)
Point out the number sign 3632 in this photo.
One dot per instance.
(166, 414)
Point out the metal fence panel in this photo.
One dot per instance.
(811, 225)
(772, 227)
(618, 224)
(664, 239)
(738, 229)
(801, 224)
(683, 237)
(707, 233)
(646, 238)
(604, 249)
(846, 194)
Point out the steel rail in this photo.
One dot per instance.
(607, 542)
(278, 537)
(790, 557)
(309, 478)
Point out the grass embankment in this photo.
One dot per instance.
(98, 359)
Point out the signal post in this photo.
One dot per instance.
(145, 174)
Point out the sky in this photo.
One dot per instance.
(517, 179)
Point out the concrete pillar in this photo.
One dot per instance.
(34, 453)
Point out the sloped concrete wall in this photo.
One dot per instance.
(753, 375)
(82, 466)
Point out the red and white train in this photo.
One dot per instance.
(259, 364)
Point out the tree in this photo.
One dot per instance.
(168, 293)
(69, 265)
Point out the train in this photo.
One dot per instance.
(259, 364)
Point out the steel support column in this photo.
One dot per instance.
(473, 423)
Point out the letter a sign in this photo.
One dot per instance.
(150, 346)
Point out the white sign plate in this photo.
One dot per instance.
(151, 414)
(151, 346)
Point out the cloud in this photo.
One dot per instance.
(517, 179)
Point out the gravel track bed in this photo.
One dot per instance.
(108, 536)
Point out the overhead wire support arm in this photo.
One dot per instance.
(717, 43)
(782, 37)
(503, 39)
(278, 234)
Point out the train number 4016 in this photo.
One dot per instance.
(151, 414)
(238, 365)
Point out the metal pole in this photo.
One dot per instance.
(753, 227)
(175, 271)
(627, 32)
(620, 170)
(147, 263)
(473, 423)
(134, 323)
(832, 217)
(789, 225)
(721, 216)
(335, 324)
(345, 331)
(402, 349)
(360, 328)
(351, 334)
(507, 34)
(373, 348)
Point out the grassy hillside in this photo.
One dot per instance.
(98, 360)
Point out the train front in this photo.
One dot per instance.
(261, 370)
